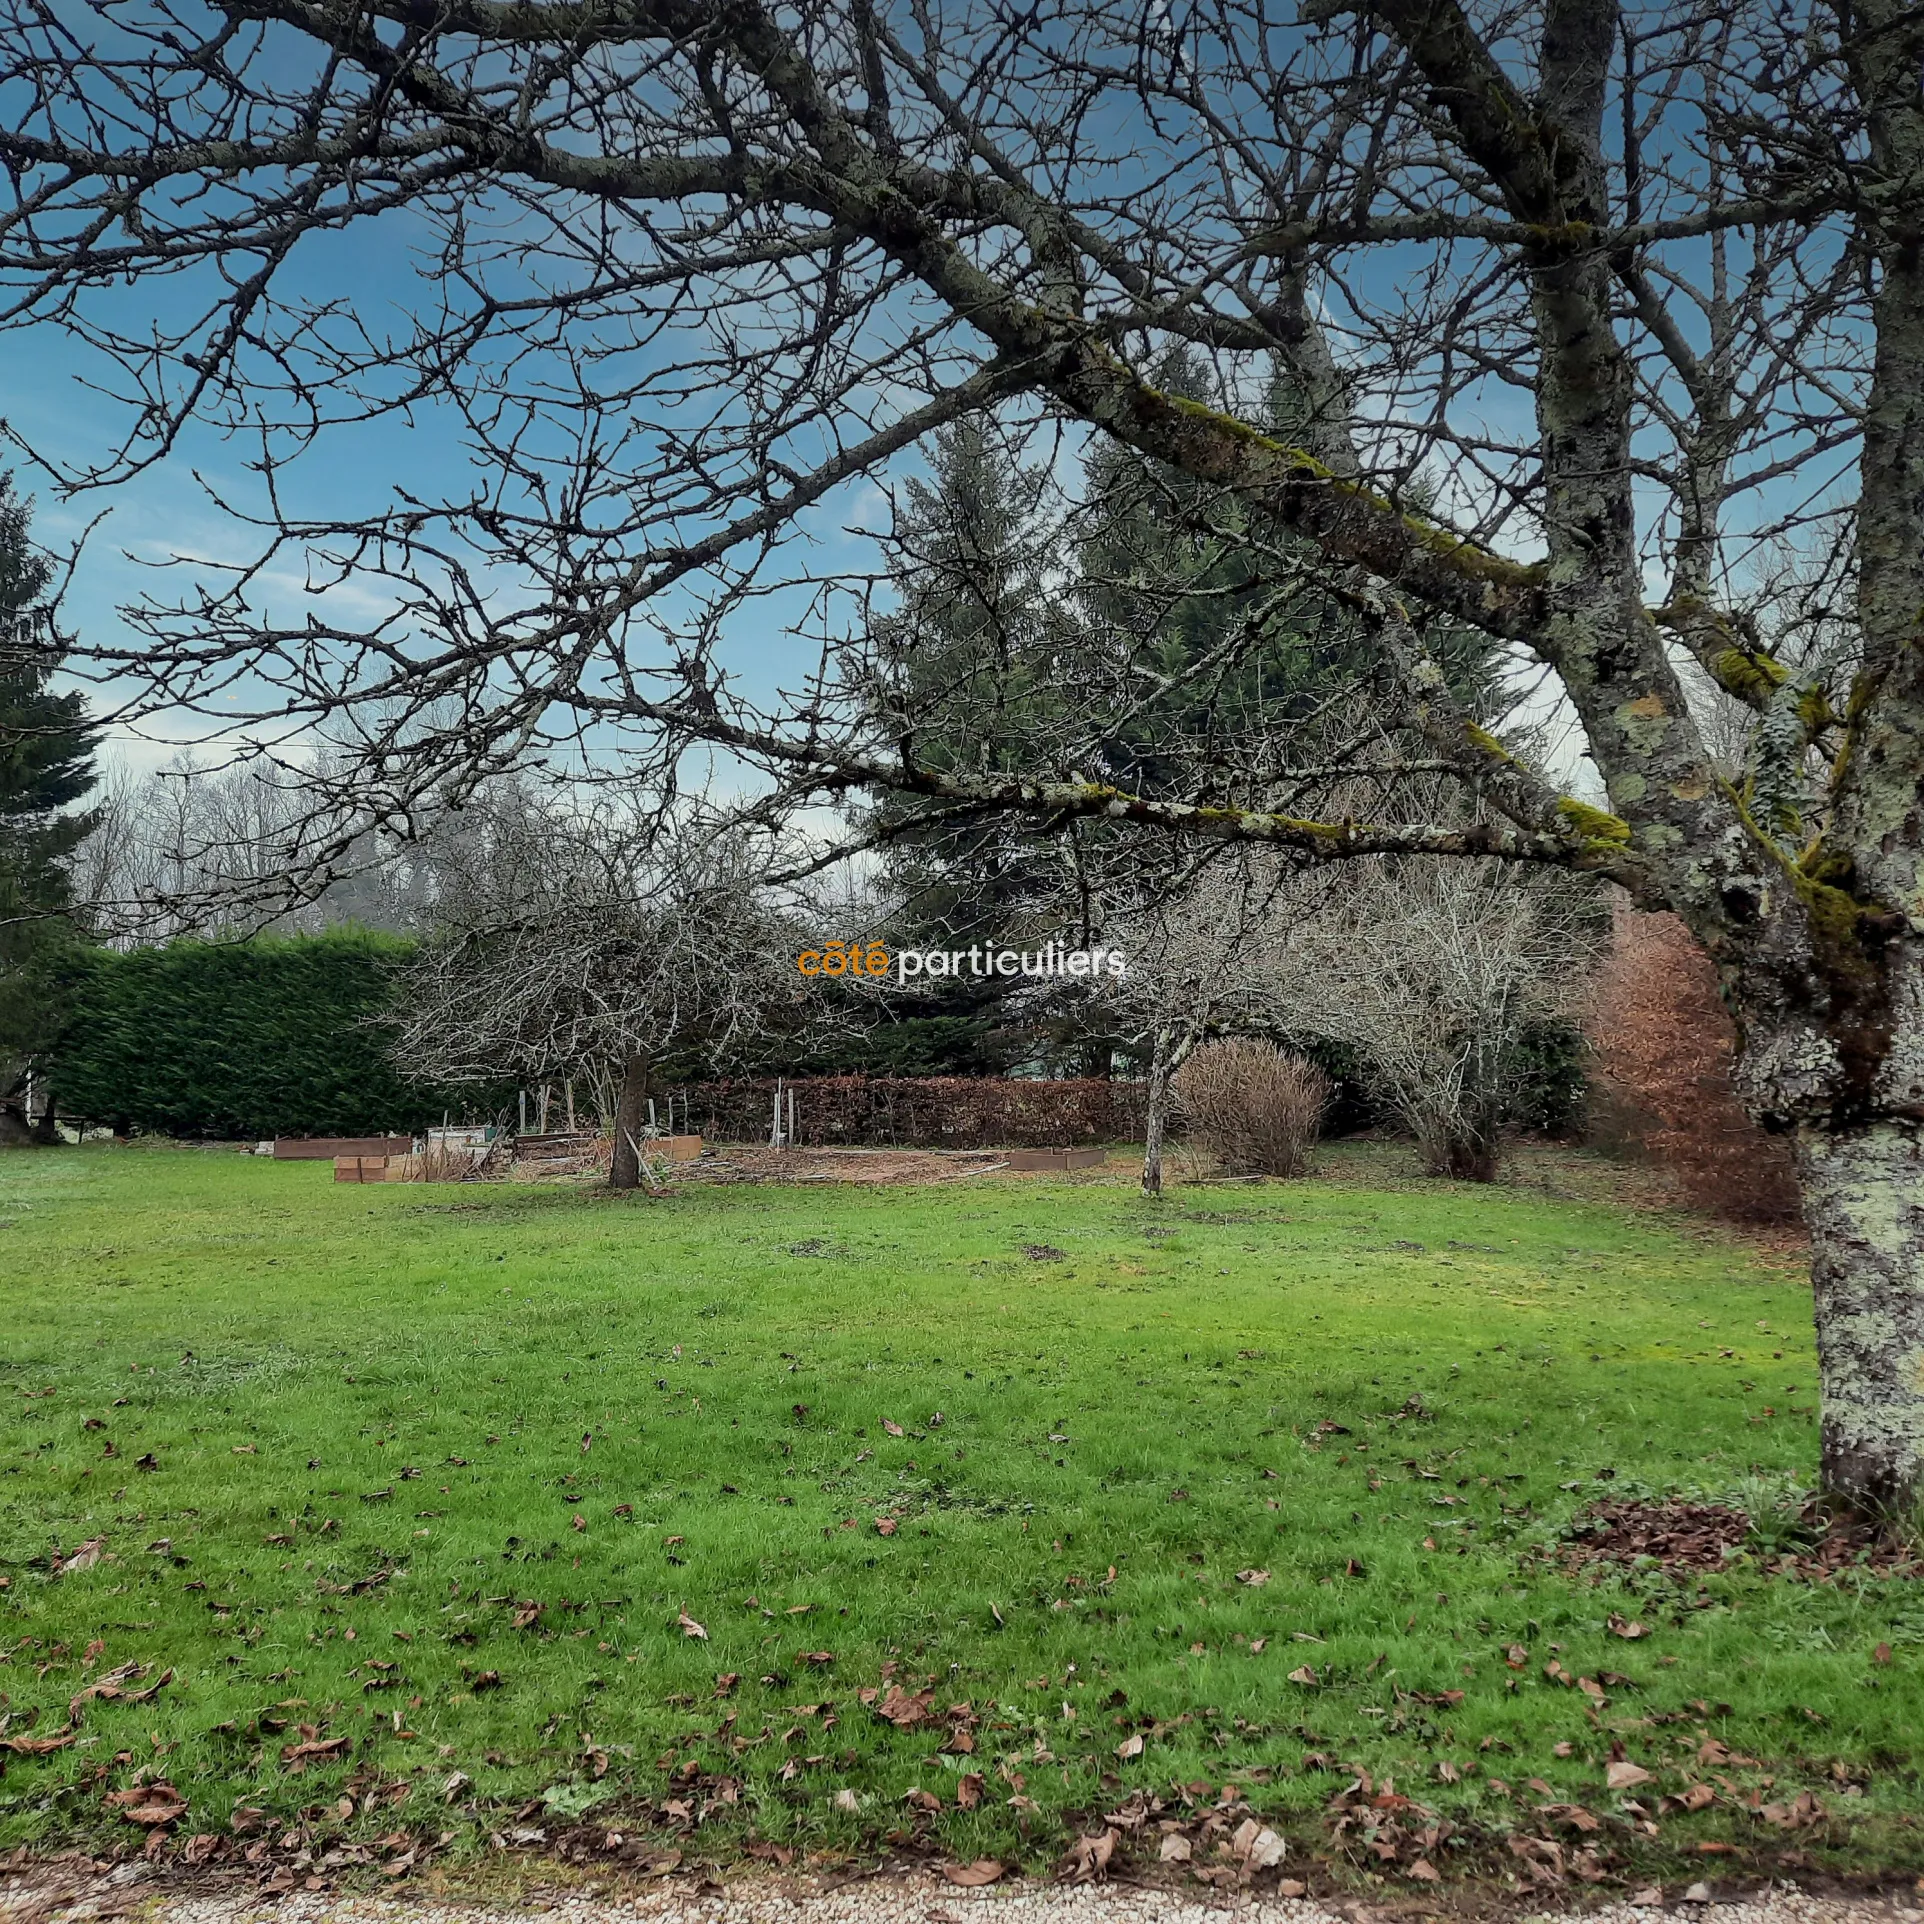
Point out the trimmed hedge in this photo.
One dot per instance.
(278, 1036)
(924, 1112)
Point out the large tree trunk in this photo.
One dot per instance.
(630, 1108)
(1863, 1191)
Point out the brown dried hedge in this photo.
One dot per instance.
(923, 1112)
(1664, 1044)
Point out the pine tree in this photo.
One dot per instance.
(46, 765)
(964, 664)
(1166, 565)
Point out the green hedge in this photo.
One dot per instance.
(241, 1040)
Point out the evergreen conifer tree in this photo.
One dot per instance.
(46, 765)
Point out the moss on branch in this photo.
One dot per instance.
(1597, 828)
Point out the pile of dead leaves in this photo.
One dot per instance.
(1839, 1541)
(271, 1856)
(1380, 1827)
(1213, 1833)
(1682, 1536)
(1674, 1535)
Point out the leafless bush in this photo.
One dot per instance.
(1255, 1109)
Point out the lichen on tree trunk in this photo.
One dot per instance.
(1863, 1191)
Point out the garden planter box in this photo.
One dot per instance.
(371, 1168)
(332, 1148)
(1057, 1158)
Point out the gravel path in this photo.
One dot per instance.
(914, 1900)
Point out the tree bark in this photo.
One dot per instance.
(1156, 1116)
(624, 1172)
(1464, 1155)
(1172, 1048)
(1863, 1192)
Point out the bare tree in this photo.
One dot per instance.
(207, 847)
(1571, 298)
(1206, 955)
(585, 943)
(1434, 972)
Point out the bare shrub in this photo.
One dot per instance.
(1664, 1045)
(1254, 1109)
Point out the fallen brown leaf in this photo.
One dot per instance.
(903, 1710)
(985, 1870)
(1087, 1859)
(39, 1746)
(107, 1687)
(1255, 1846)
(151, 1805)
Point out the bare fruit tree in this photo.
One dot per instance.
(582, 942)
(1586, 317)
(1434, 973)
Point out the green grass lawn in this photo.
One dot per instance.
(446, 1472)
